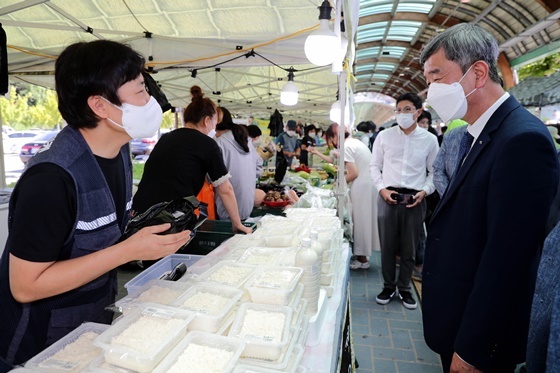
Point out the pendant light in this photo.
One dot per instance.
(289, 94)
(322, 45)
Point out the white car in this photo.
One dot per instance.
(12, 142)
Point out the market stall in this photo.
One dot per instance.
(249, 305)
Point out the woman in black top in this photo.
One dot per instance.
(181, 160)
(307, 141)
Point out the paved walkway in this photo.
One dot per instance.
(386, 338)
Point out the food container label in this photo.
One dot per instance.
(158, 312)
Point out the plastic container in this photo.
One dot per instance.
(257, 324)
(145, 348)
(154, 291)
(260, 256)
(273, 285)
(99, 365)
(228, 273)
(160, 268)
(317, 320)
(287, 361)
(212, 304)
(223, 353)
(72, 353)
(211, 234)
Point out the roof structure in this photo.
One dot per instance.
(239, 51)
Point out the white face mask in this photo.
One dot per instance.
(291, 133)
(311, 134)
(212, 133)
(139, 121)
(405, 121)
(257, 143)
(449, 100)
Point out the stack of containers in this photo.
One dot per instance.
(308, 260)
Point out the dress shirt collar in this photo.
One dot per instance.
(476, 128)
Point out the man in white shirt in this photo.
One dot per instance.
(401, 169)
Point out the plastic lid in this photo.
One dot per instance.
(306, 242)
(314, 235)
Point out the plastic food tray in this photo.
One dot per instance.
(289, 257)
(262, 346)
(159, 268)
(260, 256)
(273, 285)
(204, 319)
(287, 362)
(45, 362)
(99, 365)
(227, 344)
(172, 290)
(136, 359)
(296, 296)
(214, 274)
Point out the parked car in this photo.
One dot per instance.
(13, 141)
(31, 148)
(143, 146)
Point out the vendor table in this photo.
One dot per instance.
(333, 353)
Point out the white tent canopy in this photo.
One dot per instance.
(213, 37)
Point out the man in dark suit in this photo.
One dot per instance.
(485, 236)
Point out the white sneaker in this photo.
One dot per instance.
(356, 264)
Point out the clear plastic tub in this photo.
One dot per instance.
(287, 362)
(210, 303)
(288, 259)
(265, 328)
(228, 273)
(154, 291)
(160, 268)
(260, 256)
(296, 297)
(72, 353)
(99, 365)
(273, 285)
(143, 337)
(203, 352)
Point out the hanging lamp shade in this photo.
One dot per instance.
(289, 95)
(322, 45)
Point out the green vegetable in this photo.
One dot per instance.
(329, 167)
(303, 174)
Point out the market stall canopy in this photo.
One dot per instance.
(236, 50)
(538, 91)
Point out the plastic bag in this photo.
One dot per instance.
(184, 213)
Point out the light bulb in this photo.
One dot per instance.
(289, 94)
(322, 45)
(335, 113)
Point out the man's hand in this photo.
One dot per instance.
(242, 229)
(458, 365)
(418, 197)
(386, 195)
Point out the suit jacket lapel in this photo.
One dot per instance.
(480, 143)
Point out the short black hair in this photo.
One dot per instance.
(425, 114)
(254, 131)
(99, 67)
(412, 97)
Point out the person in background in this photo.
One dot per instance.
(240, 162)
(401, 169)
(366, 130)
(182, 159)
(319, 137)
(307, 142)
(485, 236)
(425, 121)
(362, 195)
(72, 203)
(287, 147)
(255, 134)
(446, 160)
(554, 133)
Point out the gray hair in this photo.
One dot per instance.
(465, 44)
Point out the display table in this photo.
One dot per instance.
(325, 355)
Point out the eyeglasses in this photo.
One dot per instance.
(405, 110)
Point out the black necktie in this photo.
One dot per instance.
(464, 147)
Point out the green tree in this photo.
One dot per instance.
(544, 67)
